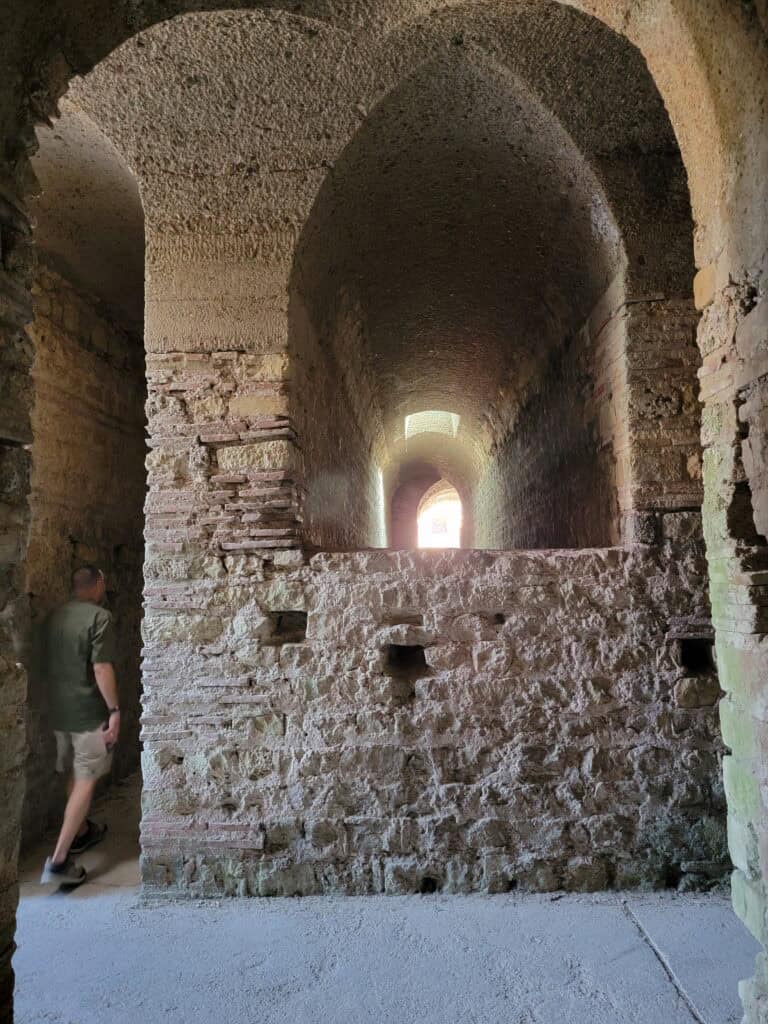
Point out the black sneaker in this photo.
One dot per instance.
(67, 873)
(93, 834)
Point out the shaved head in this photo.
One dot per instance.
(88, 583)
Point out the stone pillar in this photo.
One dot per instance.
(734, 389)
(15, 436)
(223, 507)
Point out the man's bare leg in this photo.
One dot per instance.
(78, 805)
(84, 827)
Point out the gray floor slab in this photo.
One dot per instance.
(479, 960)
(703, 944)
(102, 956)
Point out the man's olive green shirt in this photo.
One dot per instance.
(73, 638)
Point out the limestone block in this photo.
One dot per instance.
(264, 455)
(704, 286)
(681, 527)
(447, 656)
(160, 628)
(250, 622)
(752, 333)
(247, 406)
(743, 847)
(251, 566)
(208, 408)
(640, 528)
(294, 880)
(697, 692)
(749, 902)
(742, 788)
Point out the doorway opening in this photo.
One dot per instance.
(439, 517)
(88, 480)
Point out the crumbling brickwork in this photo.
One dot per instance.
(224, 473)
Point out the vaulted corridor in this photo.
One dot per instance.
(398, 371)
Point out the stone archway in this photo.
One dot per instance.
(439, 517)
(87, 487)
(413, 481)
(708, 60)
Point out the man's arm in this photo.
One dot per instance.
(107, 683)
(103, 649)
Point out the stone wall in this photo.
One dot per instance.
(466, 721)
(16, 264)
(664, 417)
(339, 426)
(608, 440)
(734, 389)
(551, 482)
(86, 503)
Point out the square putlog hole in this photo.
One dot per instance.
(697, 655)
(288, 627)
(406, 661)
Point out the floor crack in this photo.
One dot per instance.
(692, 1009)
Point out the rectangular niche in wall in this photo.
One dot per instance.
(288, 627)
(404, 664)
(697, 655)
(696, 650)
(406, 661)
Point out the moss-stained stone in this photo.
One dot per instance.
(742, 788)
(750, 904)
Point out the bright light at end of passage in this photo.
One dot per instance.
(439, 519)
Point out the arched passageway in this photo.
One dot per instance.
(413, 482)
(471, 244)
(219, 265)
(88, 481)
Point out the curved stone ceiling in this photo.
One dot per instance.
(233, 119)
(471, 234)
(44, 45)
(88, 218)
(472, 175)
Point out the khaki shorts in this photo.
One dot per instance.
(86, 751)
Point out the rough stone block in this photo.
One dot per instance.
(247, 406)
(263, 455)
(705, 286)
(697, 691)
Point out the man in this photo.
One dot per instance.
(76, 653)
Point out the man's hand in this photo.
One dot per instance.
(107, 684)
(112, 729)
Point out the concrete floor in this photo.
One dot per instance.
(103, 954)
